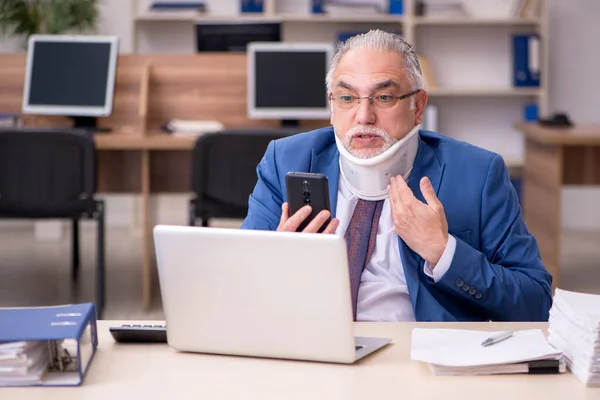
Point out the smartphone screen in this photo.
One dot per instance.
(305, 188)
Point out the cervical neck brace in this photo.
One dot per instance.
(367, 178)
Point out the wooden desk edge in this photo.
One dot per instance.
(150, 140)
(560, 136)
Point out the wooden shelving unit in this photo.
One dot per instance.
(283, 17)
(340, 18)
(188, 17)
(477, 21)
(296, 13)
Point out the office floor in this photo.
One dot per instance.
(38, 273)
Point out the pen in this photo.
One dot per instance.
(497, 339)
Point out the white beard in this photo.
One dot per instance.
(368, 178)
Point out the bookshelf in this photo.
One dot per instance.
(196, 17)
(340, 18)
(470, 58)
(514, 21)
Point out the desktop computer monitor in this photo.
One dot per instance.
(221, 36)
(286, 81)
(71, 76)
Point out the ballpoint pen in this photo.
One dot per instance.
(496, 339)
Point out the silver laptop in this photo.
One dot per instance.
(258, 293)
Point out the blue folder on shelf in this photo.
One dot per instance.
(317, 6)
(526, 60)
(396, 7)
(47, 346)
(252, 6)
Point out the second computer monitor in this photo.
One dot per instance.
(218, 36)
(286, 80)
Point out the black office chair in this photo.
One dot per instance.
(52, 174)
(224, 172)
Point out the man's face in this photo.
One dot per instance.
(367, 130)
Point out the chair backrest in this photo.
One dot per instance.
(46, 173)
(224, 167)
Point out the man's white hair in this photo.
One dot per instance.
(381, 41)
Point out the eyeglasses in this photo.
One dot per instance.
(347, 101)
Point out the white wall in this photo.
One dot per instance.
(575, 89)
(116, 19)
(574, 62)
(10, 45)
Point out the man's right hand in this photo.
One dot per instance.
(290, 224)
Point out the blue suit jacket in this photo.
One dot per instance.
(496, 273)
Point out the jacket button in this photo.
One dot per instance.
(472, 291)
(466, 287)
(478, 295)
(458, 282)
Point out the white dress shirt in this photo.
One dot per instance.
(383, 293)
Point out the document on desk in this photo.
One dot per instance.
(460, 352)
(180, 127)
(574, 328)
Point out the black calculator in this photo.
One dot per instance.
(138, 333)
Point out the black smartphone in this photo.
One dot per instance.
(305, 188)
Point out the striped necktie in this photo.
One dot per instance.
(360, 241)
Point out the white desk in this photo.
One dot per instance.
(136, 371)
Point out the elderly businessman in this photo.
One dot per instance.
(433, 226)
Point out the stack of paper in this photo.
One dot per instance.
(23, 362)
(575, 329)
(460, 352)
(180, 127)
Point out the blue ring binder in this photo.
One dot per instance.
(47, 346)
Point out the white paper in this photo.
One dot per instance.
(574, 327)
(581, 308)
(23, 362)
(462, 348)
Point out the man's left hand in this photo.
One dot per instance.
(423, 227)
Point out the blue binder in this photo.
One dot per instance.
(526, 60)
(247, 6)
(251, 6)
(396, 7)
(66, 335)
(317, 6)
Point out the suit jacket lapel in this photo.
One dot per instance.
(327, 163)
(426, 164)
